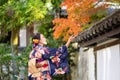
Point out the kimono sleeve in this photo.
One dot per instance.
(60, 54)
(49, 52)
(52, 52)
(63, 51)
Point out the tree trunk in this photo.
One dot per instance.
(14, 41)
(14, 45)
(30, 31)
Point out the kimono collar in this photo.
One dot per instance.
(39, 46)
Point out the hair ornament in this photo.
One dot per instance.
(36, 41)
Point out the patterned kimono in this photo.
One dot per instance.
(48, 62)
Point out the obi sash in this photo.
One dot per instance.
(42, 65)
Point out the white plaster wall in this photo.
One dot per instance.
(108, 63)
(91, 64)
(86, 65)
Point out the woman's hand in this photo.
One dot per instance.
(70, 40)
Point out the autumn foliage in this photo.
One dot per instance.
(79, 12)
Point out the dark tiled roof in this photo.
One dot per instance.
(109, 27)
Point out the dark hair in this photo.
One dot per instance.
(36, 36)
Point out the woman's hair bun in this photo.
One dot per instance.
(36, 38)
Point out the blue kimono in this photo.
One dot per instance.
(62, 64)
(57, 59)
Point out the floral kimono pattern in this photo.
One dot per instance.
(48, 62)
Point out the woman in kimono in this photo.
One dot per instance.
(45, 62)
